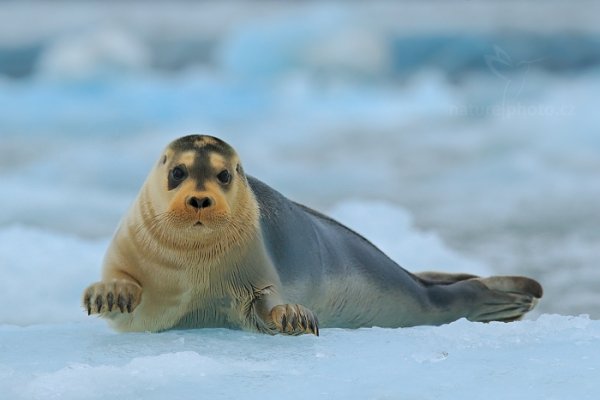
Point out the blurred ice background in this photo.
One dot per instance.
(456, 135)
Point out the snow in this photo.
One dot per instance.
(394, 119)
(50, 349)
(45, 274)
(555, 357)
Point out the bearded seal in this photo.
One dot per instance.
(205, 245)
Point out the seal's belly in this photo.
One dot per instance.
(217, 312)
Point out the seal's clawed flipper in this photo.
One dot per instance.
(117, 295)
(506, 298)
(294, 319)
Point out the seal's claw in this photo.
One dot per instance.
(129, 303)
(294, 319)
(121, 302)
(99, 298)
(110, 300)
(314, 326)
(99, 303)
(87, 298)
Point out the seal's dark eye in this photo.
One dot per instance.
(224, 177)
(178, 174)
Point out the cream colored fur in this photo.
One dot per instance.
(217, 275)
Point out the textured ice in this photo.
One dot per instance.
(555, 357)
(43, 275)
(49, 349)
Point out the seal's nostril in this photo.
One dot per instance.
(201, 203)
(205, 202)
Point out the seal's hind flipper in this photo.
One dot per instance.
(507, 298)
(442, 278)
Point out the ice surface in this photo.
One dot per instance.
(43, 275)
(555, 357)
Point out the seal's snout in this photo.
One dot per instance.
(200, 203)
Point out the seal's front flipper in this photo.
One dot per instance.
(269, 313)
(113, 296)
(294, 319)
(506, 298)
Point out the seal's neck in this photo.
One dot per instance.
(229, 241)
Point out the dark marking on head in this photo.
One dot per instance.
(164, 159)
(202, 170)
(202, 142)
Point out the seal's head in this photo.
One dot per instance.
(199, 186)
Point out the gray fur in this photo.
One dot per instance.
(350, 283)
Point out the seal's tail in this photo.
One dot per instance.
(442, 278)
(497, 298)
(506, 299)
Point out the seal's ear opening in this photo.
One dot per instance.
(240, 170)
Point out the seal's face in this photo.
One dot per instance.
(199, 179)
